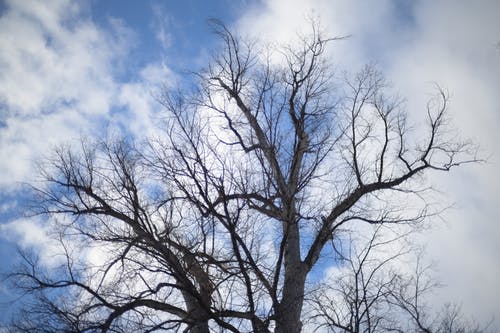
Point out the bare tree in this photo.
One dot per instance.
(369, 292)
(408, 297)
(356, 298)
(217, 224)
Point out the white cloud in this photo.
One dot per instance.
(58, 81)
(140, 98)
(454, 44)
(49, 62)
(7, 206)
(449, 42)
(54, 77)
(33, 234)
(159, 24)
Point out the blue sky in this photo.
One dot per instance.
(77, 68)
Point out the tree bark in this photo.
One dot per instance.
(290, 308)
(197, 314)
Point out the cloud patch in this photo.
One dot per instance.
(57, 79)
(453, 43)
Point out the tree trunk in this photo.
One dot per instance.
(200, 328)
(196, 315)
(290, 308)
